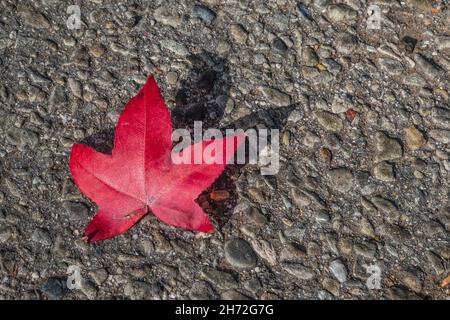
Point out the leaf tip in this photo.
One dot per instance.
(207, 227)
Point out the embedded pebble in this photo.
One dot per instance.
(342, 179)
(204, 13)
(238, 33)
(329, 121)
(341, 13)
(33, 18)
(275, 96)
(387, 148)
(240, 254)
(414, 138)
(339, 270)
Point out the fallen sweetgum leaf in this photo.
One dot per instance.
(139, 176)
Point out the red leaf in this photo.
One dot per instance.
(140, 177)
